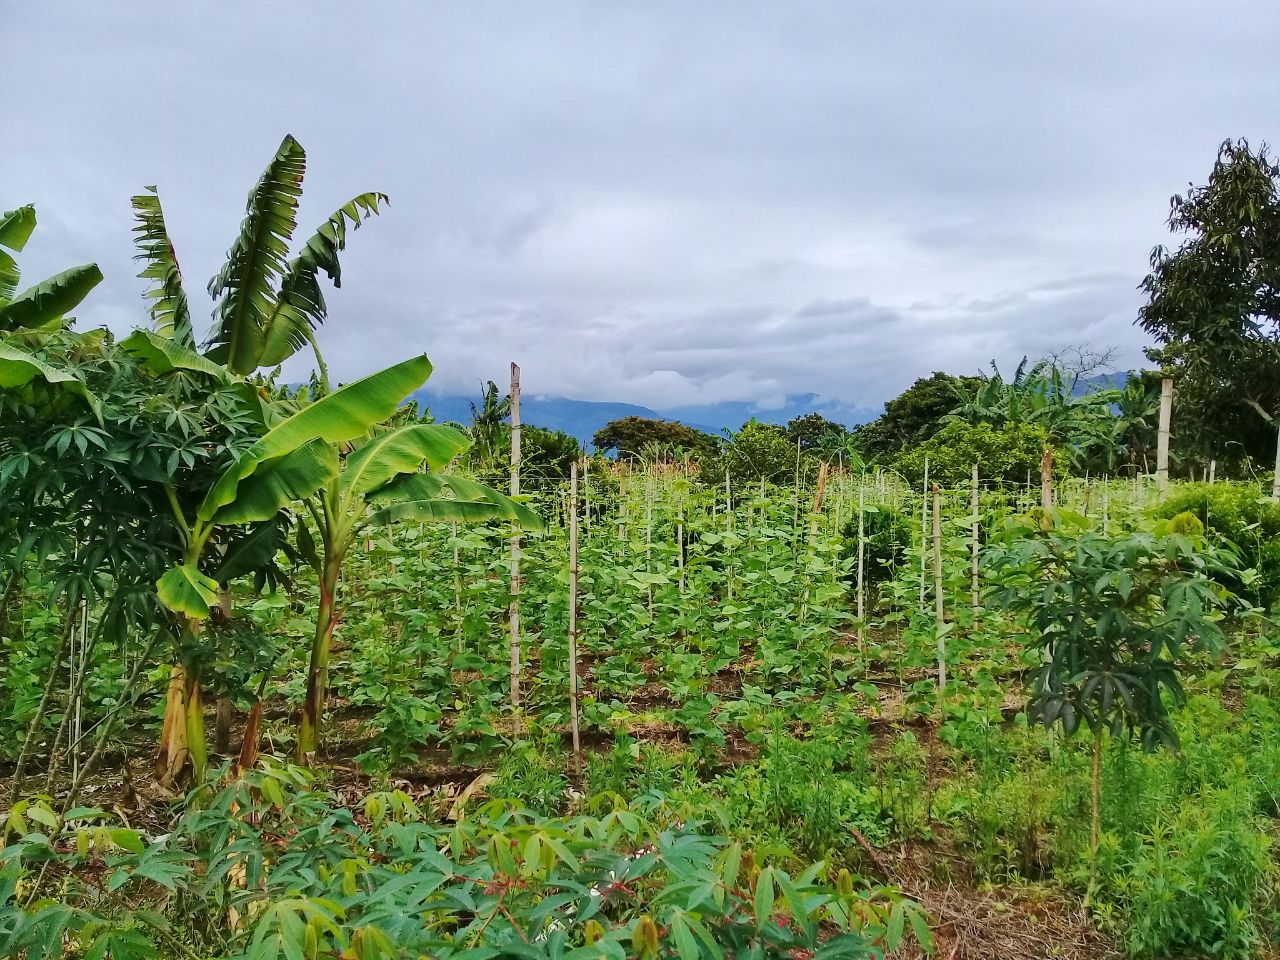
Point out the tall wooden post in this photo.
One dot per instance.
(573, 614)
(515, 539)
(973, 533)
(862, 547)
(924, 530)
(938, 607)
(1162, 438)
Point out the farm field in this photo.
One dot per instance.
(726, 685)
(292, 670)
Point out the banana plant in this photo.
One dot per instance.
(27, 316)
(381, 483)
(266, 306)
(288, 464)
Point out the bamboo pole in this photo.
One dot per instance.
(1213, 469)
(938, 607)
(515, 539)
(1162, 438)
(973, 543)
(862, 548)
(924, 529)
(573, 615)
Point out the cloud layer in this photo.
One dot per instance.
(660, 203)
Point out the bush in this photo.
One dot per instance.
(1007, 453)
(1194, 881)
(1242, 515)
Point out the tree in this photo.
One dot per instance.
(266, 308)
(1007, 453)
(380, 483)
(914, 415)
(490, 432)
(815, 433)
(1112, 619)
(759, 452)
(628, 436)
(1214, 303)
(545, 456)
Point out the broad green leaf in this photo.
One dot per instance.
(300, 307)
(764, 897)
(161, 355)
(16, 227)
(279, 482)
(341, 416)
(396, 452)
(49, 300)
(18, 368)
(442, 496)
(184, 589)
(256, 261)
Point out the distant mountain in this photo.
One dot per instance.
(582, 418)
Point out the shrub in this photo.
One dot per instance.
(1008, 453)
(1240, 514)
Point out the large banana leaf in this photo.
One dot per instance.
(446, 496)
(169, 310)
(160, 355)
(403, 450)
(185, 590)
(300, 307)
(343, 415)
(286, 479)
(15, 230)
(18, 368)
(49, 300)
(244, 287)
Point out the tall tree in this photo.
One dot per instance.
(1214, 304)
(914, 415)
(630, 435)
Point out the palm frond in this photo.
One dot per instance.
(169, 311)
(244, 287)
(300, 307)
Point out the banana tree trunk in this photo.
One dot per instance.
(318, 670)
(182, 738)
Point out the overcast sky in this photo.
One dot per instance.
(662, 203)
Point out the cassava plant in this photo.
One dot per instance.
(1113, 618)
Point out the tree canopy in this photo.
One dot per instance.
(1214, 304)
(629, 437)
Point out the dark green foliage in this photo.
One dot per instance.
(545, 456)
(758, 453)
(815, 433)
(887, 534)
(1113, 617)
(1007, 453)
(1240, 515)
(631, 437)
(1214, 305)
(913, 416)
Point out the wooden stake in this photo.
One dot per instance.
(973, 544)
(1162, 438)
(862, 547)
(924, 529)
(515, 540)
(937, 588)
(573, 615)
(1213, 468)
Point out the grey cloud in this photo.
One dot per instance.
(662, 203)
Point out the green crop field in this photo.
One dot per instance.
(293, 670)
